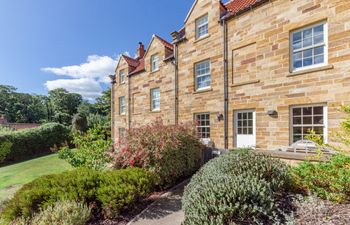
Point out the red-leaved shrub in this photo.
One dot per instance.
(169, 151)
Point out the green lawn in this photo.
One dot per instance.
(14, 176)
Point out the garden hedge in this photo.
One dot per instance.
(28, 143)
(109, 192)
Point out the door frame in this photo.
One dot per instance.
(235, 125)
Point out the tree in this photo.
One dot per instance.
(79, 123)
(103, 103)
(63, 105)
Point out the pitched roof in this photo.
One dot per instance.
(238, 6)
(130, 61)
(164, 42)
(137, 65)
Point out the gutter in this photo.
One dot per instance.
(129, 101)
(176, 71)
(224, 25)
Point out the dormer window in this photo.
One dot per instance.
(154, 62)
(202, 26)
(122, 77)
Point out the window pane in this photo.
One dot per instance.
(318, 120)
(319, 59)
(318, 39)
(318, 110)
(297, 37)
(307, 62)
(307, 111)
(307, 120)
(296, 111)
(318, 130)
(297, 120)
(319, 51)
(307, 53)
(307, 33)
(250, 130)
(298, 64)
(297, 130)
(297, 138)
(318, 30)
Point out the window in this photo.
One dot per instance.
(306, 118)
(245, 124)
(122, 108)
(154, 62)
(155, 99)
(202, 26)
(203, 125)
(122, 77)
(309, 47)
(202, 75)
(121, 133)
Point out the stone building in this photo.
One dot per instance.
(252, 73)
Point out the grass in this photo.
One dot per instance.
(14, 176)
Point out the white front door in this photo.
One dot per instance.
(245, 129)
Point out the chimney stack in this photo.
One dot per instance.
(141, 50)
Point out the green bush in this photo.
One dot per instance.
(238, 187)
(109, 191)
(61, 213)
(328, 180)
(169, 151)
(5, 149)
(32, 142)
(79, 123)
(92, 150)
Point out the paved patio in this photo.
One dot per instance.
(166, 211)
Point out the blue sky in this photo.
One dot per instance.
(46, 44)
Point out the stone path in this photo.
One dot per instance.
(166, 211)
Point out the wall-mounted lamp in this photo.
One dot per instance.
(272, 113)
(220, 116)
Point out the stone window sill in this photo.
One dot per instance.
(202, 38)
(321, 68)
(155, 71)
(155, 111)
(245, 83)
(203, 90)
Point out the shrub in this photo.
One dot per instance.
(32, 142)
(109, 191)
(234, 188)
(329, 180)
(169, 151)
(61, 213)
(79, 123)
(92, 150)
(5, 149)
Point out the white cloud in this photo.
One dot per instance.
(97, 67)
(86, 78)
(87, 87)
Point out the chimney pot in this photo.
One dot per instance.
(141, 50)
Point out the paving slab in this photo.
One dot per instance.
(165, 211)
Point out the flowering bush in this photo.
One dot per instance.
(170, 151)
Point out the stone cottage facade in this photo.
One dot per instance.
(251, 73)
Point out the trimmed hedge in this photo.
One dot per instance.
(238, 187)
(109, 192)
(32, 142)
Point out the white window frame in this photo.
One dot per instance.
(154, 100)
(325, 44)
(196, 76)
(325, 121)
(206, 139)
(122, 76)
(199, 26)
(122, 105)
(154, 62)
